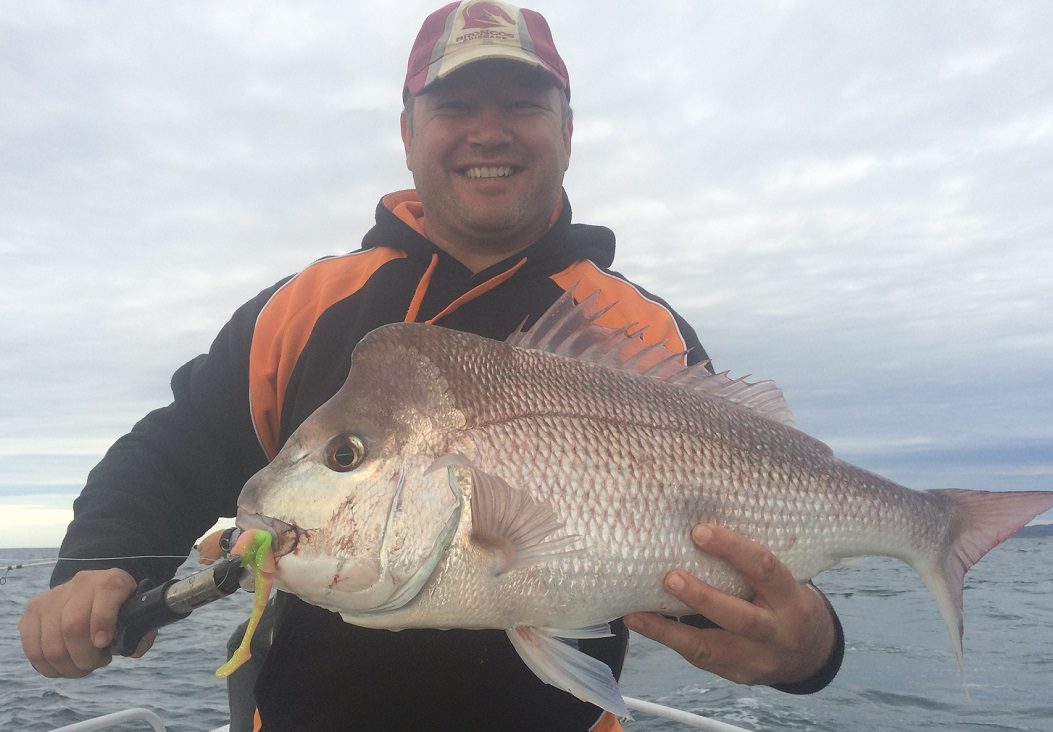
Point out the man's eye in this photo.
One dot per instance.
(452, 106)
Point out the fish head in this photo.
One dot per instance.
(360, 516)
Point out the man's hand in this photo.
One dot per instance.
(209, 549)
(785, 635)
(67, 631)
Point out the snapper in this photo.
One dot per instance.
(545, 486)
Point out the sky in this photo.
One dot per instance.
(850, 198)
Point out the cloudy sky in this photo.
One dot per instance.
(850, 198)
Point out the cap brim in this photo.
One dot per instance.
(450, 63)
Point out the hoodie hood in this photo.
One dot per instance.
(399, 224)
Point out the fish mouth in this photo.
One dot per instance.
(284, 537)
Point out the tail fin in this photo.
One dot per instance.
(979, 521)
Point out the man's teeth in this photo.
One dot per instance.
(489, 172)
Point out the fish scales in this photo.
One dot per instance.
(456, 481)
(648, 441)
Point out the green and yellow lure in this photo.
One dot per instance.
(254, 549)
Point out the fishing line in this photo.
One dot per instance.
(45, 562)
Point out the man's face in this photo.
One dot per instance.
(488, 149)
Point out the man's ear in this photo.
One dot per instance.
(568, 133)
(407, 137)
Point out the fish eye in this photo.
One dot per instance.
(344, 453)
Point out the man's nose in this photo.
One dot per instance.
(489, 127)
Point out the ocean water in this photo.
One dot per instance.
(899, 671)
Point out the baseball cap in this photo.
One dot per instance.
(462, 33)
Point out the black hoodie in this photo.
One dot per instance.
(281, 356)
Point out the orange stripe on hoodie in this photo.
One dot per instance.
(630, 305)
(479, 290)
(287, 321)
(607, 723)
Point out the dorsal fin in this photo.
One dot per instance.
(569, 328)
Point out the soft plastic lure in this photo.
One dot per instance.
(254, 549)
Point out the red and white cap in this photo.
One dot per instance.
(462, 33)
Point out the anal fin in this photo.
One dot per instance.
(560, 664)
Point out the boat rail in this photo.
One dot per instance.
(138, 714)
(106, 721)
(694, 721)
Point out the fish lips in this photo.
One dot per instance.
(284, 537)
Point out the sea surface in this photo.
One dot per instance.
(899, 671)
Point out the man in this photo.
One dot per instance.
(485, 240)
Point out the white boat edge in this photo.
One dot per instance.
(694, 721)
(139, 714)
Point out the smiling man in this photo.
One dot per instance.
(488, 147)
(483, 242)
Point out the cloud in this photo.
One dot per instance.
(36, 524)
(849, 200)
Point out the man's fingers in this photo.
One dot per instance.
(75, 625)
(713, 650)
(61, 627)
(30, 634)
(687, 641)
(115, 587)
(54, 648)
(765, 574)
(731, 613)
(785, 634)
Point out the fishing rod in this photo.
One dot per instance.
(155, 606)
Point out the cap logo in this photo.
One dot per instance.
(485, 22)
(486, 15)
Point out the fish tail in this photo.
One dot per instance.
(978, 522)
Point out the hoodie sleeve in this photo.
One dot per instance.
(162, 485)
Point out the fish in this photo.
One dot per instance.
(546, 484)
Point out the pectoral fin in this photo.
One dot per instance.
(560, 664)
(518, 529)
